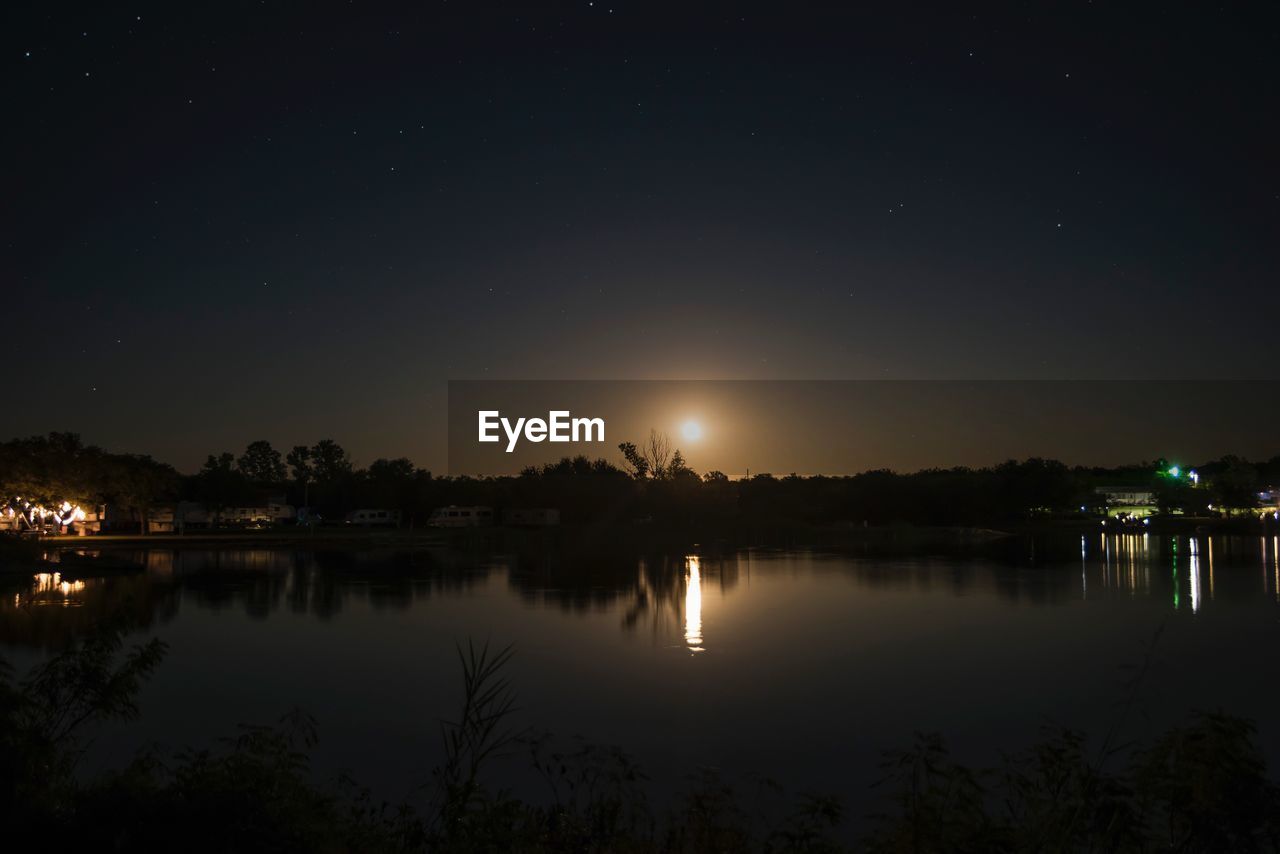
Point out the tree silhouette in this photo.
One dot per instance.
(657, 454)
(635, 463)
(220, 484)
(262, 463)
(1235, 486)
(329, 461)
(299, 460)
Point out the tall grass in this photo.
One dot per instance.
(1200, 787)
(478, 734)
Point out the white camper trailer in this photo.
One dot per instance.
(371, 518)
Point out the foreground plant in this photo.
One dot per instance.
(1201, 787)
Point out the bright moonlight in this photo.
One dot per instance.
(691, 430)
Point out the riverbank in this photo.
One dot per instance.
(250, 538)
(738, 533)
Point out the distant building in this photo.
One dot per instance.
(1127, 500)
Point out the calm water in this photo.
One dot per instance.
(800, 666)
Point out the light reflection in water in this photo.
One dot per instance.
(52, 582)
(1265, 579)
(1188, 563)
(1143, 547)
(1195, 575)
(693, 605)
(1113, 565)
(1084, 570)
(1126, 563)
(1211, 567)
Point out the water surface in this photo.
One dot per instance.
(800, 666)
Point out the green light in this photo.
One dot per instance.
(1174, 471)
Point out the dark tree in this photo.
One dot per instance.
(657, 454)
(329, 461)
(261, 463)
(220, 484)
(137, 482)
(299, 460)
(636, 465)
(1235, 484)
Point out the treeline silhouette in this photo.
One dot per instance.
(651, 482)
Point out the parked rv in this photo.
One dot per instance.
(454, 516)
(262, 516)
(372, 518)
(187, 515)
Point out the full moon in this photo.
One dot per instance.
(691, 430)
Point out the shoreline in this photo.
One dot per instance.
(797, 534)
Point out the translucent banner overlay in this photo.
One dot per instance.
(846, 427)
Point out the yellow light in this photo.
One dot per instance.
(691, 430)
(693, 606)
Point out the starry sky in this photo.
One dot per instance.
(234, 221)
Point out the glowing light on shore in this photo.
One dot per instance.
(36, 516)
(693, 605)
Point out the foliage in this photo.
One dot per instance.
(651, 481)
(60, 467)
(261, 463)
(475, 737)
(1199, 787)
(1234, 483)
(299, 460)
(44, 718)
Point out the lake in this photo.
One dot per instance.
(797, 665)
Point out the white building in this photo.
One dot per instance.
(1128, 500)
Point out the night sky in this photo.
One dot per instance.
(228, 221)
